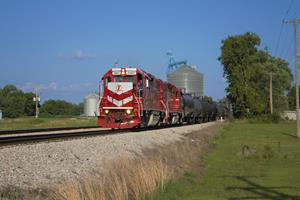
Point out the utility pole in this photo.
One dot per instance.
(271, 93)
(37, 100)
(295, 22)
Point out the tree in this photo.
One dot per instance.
(29, 108)
(12, 101)
(16, 103)
(224, 102)
(237, 57)
(291, 95)
(247, 71)
(79, 108)
(207, 99)
(59, 107)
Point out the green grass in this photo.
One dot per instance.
(31, 122)
(273, 172)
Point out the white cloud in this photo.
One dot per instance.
(78, 86)
(77, 55)
(63, 90)
(32, 87)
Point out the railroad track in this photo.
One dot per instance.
(25, 131)
(57, 134)
(40, 137)
(14, 137)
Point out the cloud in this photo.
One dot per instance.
(78, 87)
(77, 55)
(32, 87)
(54, 89)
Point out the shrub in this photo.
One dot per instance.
(268, 152)
(267, 118)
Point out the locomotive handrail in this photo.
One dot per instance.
(139, 105)
(167, 112)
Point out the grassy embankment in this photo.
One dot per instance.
(268, 168)
(31, 123)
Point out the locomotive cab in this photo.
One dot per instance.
(119, 105)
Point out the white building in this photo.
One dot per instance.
(91, 104)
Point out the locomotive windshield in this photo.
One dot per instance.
(123, 78)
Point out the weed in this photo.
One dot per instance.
(11, 193)
(268, 152)
(126, 179)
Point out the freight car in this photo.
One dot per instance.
(134, 98)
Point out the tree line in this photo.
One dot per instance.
(247, 70)
(16, 103)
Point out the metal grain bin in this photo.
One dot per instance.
(188, 79)
(91, 103)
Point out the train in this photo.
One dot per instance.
(133, 98)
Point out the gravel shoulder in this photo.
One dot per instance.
(39, 165)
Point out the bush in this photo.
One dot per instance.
(59, 107)
(267, 118)
(268, 152)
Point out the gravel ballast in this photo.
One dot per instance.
(42, 164)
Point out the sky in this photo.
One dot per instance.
(64, 47)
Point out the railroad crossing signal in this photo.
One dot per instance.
(36, 99)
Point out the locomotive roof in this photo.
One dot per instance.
(150, 76)
(146, 74)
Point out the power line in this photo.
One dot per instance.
(281, 28)
(288, 10)
(286, 37)
(278, 40)
(288, 49)
(296, 12)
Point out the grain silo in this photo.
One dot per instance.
(187, 78)
(91, 103)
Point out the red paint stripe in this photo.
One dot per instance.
(119, 96)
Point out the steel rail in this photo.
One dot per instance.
(21, 139)
(33, 138)
(26, 131)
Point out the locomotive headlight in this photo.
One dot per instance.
(128, 111)
(106, 111)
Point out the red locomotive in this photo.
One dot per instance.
(133, 98)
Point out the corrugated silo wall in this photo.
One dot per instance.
(91, 105)
(188, 78)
